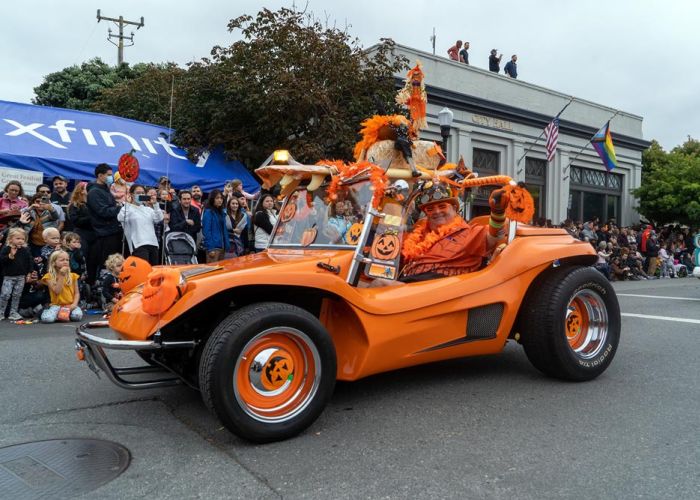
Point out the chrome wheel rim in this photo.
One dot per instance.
(277, 375)
(586, 324)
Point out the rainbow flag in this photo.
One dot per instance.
(603, 144)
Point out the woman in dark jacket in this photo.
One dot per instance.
(214, 235)
(265, 219)
(79, 216)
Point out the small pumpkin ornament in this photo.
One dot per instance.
(309, 236)
(521, 206)
(134, 272)
(128, 166)
(163, 287)
(386, 246)
(352, 236)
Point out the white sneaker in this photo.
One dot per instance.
(14, 317)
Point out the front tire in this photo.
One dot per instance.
(570, 323)
(267, 371)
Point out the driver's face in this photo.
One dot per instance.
(439, 214)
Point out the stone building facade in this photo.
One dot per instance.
(497, 122)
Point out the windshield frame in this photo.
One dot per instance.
(320, 246)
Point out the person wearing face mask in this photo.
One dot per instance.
(103, 213)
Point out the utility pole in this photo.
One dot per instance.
(121, 37)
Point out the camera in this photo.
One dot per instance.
(45, 200)
(143, 198)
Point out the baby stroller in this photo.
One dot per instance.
(180, 248)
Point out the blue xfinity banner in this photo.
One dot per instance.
(71, 143)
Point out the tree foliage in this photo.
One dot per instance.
(288, 83)
(670, 189)
(77, 87)
(145, 98)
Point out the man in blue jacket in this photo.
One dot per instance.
(511, 68)
(103, 216)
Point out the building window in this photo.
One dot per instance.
(594, 193)
(485, 162)
(536, 182)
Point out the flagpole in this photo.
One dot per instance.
(542, 133)
(586, 145)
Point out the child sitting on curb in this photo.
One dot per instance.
(111, 290)
(63, 290)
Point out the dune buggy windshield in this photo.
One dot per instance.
(309, 218)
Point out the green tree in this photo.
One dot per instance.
(670, 189)
(77, 87)
(145, 98)
(288, 83)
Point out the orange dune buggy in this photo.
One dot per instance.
(264, 337)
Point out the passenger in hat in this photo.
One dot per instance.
(442, 243)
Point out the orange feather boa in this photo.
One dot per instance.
(422, 238)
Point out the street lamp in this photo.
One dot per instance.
(445, 117)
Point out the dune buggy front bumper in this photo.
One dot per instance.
(91, 348)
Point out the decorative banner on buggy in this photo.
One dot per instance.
(385, 250)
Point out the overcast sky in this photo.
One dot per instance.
(633, 55)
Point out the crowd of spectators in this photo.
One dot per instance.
(460, 52)
(61, 252)
(636, 253)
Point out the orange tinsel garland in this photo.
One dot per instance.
(422, 239)
(377, 178)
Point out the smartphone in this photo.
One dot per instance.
(143, 198)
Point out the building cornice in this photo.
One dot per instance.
(472, 104)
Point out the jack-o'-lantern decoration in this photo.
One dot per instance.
(352, 236)
(134, 272)
(128, 166)
(278, 370)
(521, 206)
(386, 246)
(289, 210)
(308, 236)
(163, 287)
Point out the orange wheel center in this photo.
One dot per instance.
(576, 325)
(277, 371)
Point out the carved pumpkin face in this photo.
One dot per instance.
(289, 210)
(385, 247)
(352, 236)
(163, 287)
(278, 369)
(128, 167)
(521, 206)
(308, 236)
(134, 272)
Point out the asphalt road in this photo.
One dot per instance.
(490, 427)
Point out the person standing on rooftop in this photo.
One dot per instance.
(453, 51)
(511, 68)
(495, 62)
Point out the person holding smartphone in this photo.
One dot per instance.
(11, 204)
(138, 217)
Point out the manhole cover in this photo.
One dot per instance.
(59, 468)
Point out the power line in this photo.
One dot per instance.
(120, 22)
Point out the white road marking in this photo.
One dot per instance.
(663, 318)
(655, 296)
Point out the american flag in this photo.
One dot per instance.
(551, 131)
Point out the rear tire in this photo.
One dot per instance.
(268, 371)
(570, 323)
